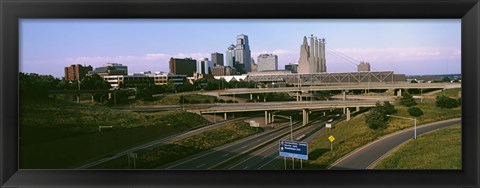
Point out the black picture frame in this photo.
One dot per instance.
(13, 10)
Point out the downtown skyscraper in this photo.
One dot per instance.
(242, 53)
(312, 57)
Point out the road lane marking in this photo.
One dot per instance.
(252, 148)
(225, 155)
(267, 163)
(424, 126)
(232, 144)
(268, 147)
(201, 165)
(245, 167)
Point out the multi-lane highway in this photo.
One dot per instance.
(248, 153)
(267, 157)
(161, 141)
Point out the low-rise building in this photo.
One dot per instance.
(144, 79)
(223, 71)
(76, 72)
(291, 67)
(110, 69)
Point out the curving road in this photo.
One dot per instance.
(366, 156)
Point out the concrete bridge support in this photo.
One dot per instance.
(269, 117)
(348, 114)
(266, 117)
(344, 95)
(357, 109)
(225, 116)
(251, 96)
(305, 116)
(399, 93)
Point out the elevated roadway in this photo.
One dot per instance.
(341, 87)
(291, 105)
(304, 106)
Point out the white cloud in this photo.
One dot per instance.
(398, 54)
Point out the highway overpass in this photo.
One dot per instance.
(305, 106)
(341, 87)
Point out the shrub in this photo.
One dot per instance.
(389, 108)
(407, 100)
(376, 118)
(414, 111)
(446, 102)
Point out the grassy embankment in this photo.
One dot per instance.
(441, 149)
(154, 157)
(452, 93)
(174, 99)
(58, 134)
(350, 135)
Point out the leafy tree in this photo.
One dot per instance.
(200, 84)
(407, 100)
(94, 82)
(212, 85)
(446, 79)
(185, 87)
(170, 87)
(34, 86)
(145, 93)
(389, 108)
(413, 81)
(446, 102)
(415, 111)
(120, 97)
(376, 118)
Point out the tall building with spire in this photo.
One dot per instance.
(242, 53)
(312, 57)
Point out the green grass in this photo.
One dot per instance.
(154, 157)
(441, 149)
(452, 93)
(350, 135)
(174, 99)
(55, 134)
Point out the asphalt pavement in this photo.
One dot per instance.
(364, 157)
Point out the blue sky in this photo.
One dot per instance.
(405, 46)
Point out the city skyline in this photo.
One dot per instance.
(432, 46)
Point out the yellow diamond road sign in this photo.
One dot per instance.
(331, 138)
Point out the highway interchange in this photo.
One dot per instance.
(260, 151)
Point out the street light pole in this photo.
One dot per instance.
(414, 124)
